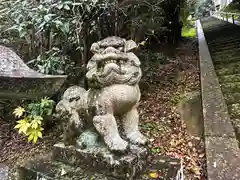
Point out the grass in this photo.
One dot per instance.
(188, 31)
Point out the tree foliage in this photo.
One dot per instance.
(57, 34)
(204, 7)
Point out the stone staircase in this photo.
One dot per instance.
(223, 41)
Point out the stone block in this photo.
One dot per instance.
(190, 108)
(44, 168)
(215, 114)
(223, 158)
(100, 159)
(166, 168)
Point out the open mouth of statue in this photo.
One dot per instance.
(102, 64)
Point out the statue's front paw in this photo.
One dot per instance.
(137, 138)
(117, 144)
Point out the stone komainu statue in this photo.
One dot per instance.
(113, 76)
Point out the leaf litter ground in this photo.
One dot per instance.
(162, 85)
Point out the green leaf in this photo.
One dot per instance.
(17, 126)
(66, 26)
(36, 122)
(30, 138)
(34, 134)
(59, 71)
(66, 7)
(58, 23)
(40, 134)
(47, 18)
(22, 33)
(60, 6)
(23, 126)
(35, 138)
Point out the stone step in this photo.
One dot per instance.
(214, 50)
(234, 111)
(230, 87)
(223, 60)
(232, 98)
(221, 34)
(229, 78)
(224, 40)
(228, 65)
(236, 126)
(45, 168)
(229, 46)
(219, 53)
(228, 69)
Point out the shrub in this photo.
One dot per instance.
(32, 118)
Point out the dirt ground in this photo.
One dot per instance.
(162, 86)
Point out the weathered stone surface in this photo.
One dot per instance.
(216, 118)
(19, 81)
(113, 74)
(223, 158)
(222, 151)
(229, 78)
(190, 108)
(100, 159)
(3, 172)
(29, 87)
(230, 87)
(47, 169)
(167, 168)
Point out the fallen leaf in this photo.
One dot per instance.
(153, 175)
(63, 172)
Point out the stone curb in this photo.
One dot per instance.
(222, 151)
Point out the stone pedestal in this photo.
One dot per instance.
(100, 159)
(45, 168)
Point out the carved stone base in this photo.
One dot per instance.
(100, 159)
(45, 169)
